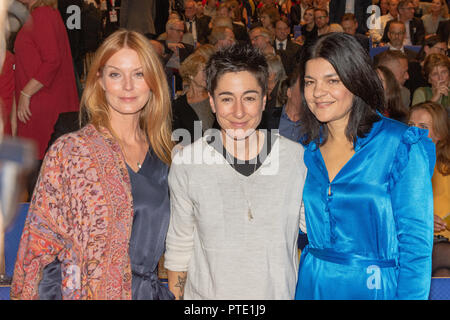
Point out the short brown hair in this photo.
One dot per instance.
(434, 60)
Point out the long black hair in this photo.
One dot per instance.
(354, 68)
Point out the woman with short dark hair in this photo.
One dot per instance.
(367, 195)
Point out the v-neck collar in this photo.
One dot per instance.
(359, 143)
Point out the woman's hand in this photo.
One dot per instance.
(23, 109)
(439, 224)
(439, 89)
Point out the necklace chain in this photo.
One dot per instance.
(249, 205)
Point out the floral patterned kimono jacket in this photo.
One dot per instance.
(82, 214)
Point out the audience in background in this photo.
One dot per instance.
(193, 105)
(396, 36)
(392, 95)
(376, 33)
(397, 62)
(414, 29)
(436, 69)
(288, 50)
(197, 26)
(358, 8)
(321, 20)
(276, 76)
(438, 11)
(350, 26)
(262, 39)
(309, 28)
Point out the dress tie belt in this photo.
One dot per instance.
(349, 259)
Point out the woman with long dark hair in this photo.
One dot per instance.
(367, 195)
(392, 94)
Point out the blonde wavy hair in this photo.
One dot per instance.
(42, 3)
(156, 116)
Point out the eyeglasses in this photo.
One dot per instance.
(178, 30)
(406, 8)
(255, 37)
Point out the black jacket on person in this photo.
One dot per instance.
(337, 11)
(291, 56)
(443, 30)
(416, 31)
(183, 52)
(183, 117)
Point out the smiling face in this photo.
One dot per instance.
(238, 102)
(327, 97)
(436, 6)
(122, 79)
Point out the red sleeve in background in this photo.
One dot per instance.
(46, 37)
(7, 90)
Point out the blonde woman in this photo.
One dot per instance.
(437, 12)
(100, 211)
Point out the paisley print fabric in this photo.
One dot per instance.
(81, 212)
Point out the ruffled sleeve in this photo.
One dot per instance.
(412, 136)
(412, 205)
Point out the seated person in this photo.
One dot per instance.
(193, 106)
(350, 26)
(288, 50)
(397, 62)
(436, 69)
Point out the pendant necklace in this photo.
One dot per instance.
(249, 205)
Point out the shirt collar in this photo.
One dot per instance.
(285, 116)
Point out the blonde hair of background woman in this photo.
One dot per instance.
(41, 3)
(155, 117)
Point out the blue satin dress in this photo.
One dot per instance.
(150, 191)
(370, 230)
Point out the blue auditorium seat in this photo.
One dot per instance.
(440, 289)
(12, 239)
(374, 51)
(414, 48)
